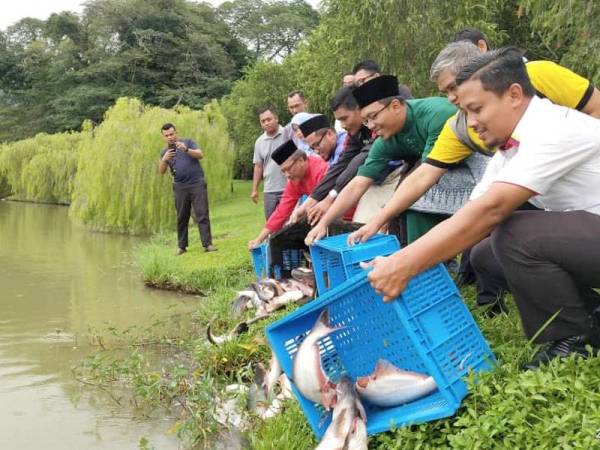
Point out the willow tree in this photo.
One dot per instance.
(118, 187)
(42, 168)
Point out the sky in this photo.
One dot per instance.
(14, 10)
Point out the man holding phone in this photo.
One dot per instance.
(182, 158)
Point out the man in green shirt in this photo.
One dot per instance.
(407, 130)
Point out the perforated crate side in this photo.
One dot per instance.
(260, 261)
(376, 330)
(334, 261)
(292, 258)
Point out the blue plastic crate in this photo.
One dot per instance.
(292, 258)
(428, 329)
(260, 261)
(334, 261)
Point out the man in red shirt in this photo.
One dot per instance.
(303, 173)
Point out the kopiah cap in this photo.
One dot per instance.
(376, 89)
(283, 152)
(314, 124)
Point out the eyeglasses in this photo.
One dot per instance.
(317, 144)
(373, 116)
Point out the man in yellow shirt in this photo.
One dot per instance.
(457, 141)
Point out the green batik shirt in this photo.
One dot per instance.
(425, 118)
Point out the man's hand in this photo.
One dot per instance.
(315, 234)
(169, 155)
(254, 196)
(181, 146)
(254, 243)
(362, 234)
(316, 212)
(389, 276)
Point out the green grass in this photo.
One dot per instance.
(555, 407)
(233, 224)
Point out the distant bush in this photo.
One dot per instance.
(41, 168)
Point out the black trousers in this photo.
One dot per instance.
(187, 197)
(550, 261)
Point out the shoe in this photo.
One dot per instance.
(180, 251)
(210, 248)
(573, 345)
(497, 308)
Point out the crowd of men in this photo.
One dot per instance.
(506, 170)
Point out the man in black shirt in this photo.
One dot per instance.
(189, 186)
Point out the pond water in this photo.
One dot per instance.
(56, 281)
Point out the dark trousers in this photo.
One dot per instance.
(271, 201)
(550, 261)
(187, 197)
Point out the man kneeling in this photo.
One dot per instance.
(549, 155)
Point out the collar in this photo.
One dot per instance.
(526, 123)
(410, 117)
(277, 133)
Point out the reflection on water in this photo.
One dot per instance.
(57, 280)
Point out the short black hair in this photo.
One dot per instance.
(297, 92)
(166, 126)
(266, 108)
(344, 97)
(498, 70)
(470, 34)
(368, 64)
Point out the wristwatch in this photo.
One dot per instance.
(333, 193)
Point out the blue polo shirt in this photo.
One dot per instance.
(184, 168)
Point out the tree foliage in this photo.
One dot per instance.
(272, 29)
(402, 35)
(42, 168)
(54, 74)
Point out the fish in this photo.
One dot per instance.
(303, 275)
(307, 372)
(240, 328)
(347, 408)
(256, 394)
(357, 438)
(294, 285)
(244, 300)
(264, 291)
(272, 376)
(237, 330)
(389, 385)
(273, 284)
(283, 300)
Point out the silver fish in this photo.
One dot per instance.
(265, 292)
(347, 408)
(303, 275)
(272, 376)
(238, 329)
(390, 386)
(308, 374)
(295, 285)
(256, 394)
(283, 300)
(357, 438)
(243, 301)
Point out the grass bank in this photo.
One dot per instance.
(233, 223)
(556, 407)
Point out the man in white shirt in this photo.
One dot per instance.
(549, 155)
